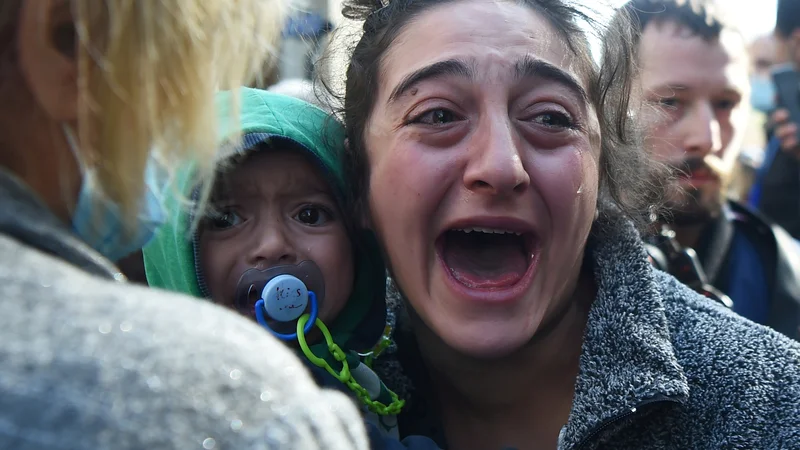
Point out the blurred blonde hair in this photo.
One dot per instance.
(148, 71)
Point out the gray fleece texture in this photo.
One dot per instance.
(661, 367)
(90, 362)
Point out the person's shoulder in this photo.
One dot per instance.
(693, 316)
(123, 366)
(744, 213)
(728, 358)
(783, 256)
(749, 218)
(743, 377)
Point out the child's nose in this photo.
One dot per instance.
(271, 247)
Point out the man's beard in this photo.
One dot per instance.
(692, 205)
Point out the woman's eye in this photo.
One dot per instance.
(554, 120)
(313, 216)
(437, 117)
(224, 220)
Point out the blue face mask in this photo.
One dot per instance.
(762, 96)
(98, 221)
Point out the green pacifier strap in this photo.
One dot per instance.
(345, 375)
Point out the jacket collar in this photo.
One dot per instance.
(25, 218)
(715, 243)
(627, 359)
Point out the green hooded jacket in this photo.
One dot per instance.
(171, 258)
(268, 121)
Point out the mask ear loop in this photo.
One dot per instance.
(72, 143)
(261, 318)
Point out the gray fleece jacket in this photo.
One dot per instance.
(88, 361)
(661, 367)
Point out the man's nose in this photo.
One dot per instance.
(703, 135)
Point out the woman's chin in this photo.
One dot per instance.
(483, 340)
(477, 326)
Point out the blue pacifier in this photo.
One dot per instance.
(282, 294)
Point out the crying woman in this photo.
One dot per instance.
(504, 184)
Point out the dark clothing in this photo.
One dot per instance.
(661, 366)
(757, 264)
(88, 361)
(377, 438)
(751, 287)
(776, 191)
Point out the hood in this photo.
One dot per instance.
(171, 257)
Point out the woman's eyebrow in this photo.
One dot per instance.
(529, 67)
(438, 69)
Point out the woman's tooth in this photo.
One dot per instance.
(487, 230)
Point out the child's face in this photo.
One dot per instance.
(274, 209)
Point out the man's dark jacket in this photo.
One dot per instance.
(779, 255)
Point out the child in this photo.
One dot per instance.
(279, 223)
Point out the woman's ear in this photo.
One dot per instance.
(47, 43)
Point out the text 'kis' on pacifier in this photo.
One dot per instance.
(282, 294)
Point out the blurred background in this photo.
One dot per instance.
(305, 55)
(308, 27)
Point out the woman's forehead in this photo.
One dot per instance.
(490, 36)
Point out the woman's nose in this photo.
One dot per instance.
(271, 246)
(495, 165)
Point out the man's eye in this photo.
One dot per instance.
(224, 220)
(313, 216)
(437, 116)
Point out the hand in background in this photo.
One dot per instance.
(786, 132)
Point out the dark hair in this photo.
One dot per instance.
(788, 17)
(9, 14)
(630, 181)
(699, 17)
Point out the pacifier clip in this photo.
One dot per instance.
(284, 298)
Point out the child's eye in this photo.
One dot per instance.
(224, 220)
(313, 216)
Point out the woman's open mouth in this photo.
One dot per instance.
(488, 258)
